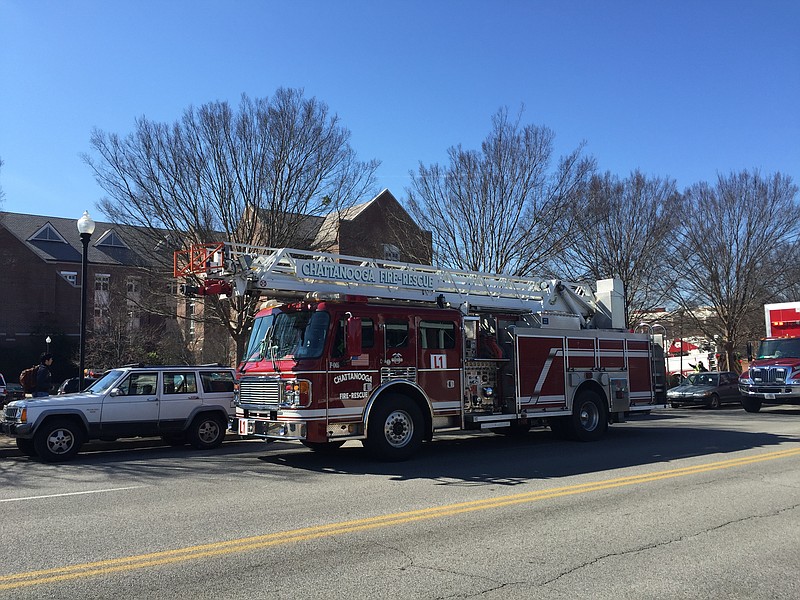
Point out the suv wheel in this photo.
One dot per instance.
(58, 440)
(207, 431)
(26, 447)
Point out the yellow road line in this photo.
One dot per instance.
(141, 561)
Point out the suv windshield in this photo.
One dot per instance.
(297, 335)
(105, 382)
(787, 348)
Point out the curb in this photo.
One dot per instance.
(8, 445)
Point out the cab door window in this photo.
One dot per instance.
(139, 384)
(367, 336)
(437, 335)
(180, 383)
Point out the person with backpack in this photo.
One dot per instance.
(43, 376)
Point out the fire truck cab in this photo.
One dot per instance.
(391, 353)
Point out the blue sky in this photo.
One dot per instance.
(680, 89)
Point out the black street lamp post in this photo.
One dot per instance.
(86, 229)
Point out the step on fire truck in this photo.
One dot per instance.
(388, 353)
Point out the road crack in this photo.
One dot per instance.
(667, 542)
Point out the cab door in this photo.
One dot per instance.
(133, 408)
(439, 363)
(350, 379)
(179, 398)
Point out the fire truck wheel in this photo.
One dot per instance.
(323, 447)
(395, 428)
(207, 431)
(589, 421)
(750, 405)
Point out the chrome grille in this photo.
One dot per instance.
(12, 413)
(389, 373)
(260, 390)
(768, 374)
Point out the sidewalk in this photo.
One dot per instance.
(8, 447)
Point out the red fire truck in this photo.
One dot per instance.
(389, 353)
(773, 375)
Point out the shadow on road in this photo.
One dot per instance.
(491, 459)
(457, 459)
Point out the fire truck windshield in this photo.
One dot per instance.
(255, 345)
(780, 348)
(297, 335)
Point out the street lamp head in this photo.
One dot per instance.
(85, 224)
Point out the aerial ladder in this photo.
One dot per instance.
(284, 273)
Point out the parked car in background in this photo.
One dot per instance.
(69, 386)
(710, 388)
(14, 391)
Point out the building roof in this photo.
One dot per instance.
(56, 239)
(329, 229)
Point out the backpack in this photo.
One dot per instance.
(27, 378)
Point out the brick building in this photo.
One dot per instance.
(42, 258)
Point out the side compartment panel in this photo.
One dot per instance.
(540, 371)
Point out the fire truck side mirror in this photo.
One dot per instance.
(354, 336)
(749, 351)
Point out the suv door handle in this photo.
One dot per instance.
(153, 399)
(194, 397)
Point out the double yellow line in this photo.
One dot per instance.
(154, 559)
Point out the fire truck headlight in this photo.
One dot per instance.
(488, 392)
(296, 393)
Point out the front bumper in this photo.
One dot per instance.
(268, 428)
(771, 393)
(21, 430)
(690, 401)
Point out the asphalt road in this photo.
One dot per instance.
(685, 503)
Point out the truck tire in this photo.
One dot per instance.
(751, 405)
(395, 428)
(589, 421)
(58, 440)
(207, 431)
(26, 447)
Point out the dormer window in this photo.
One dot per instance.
(110, 240)
(47, 233)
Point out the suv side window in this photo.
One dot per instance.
(139, 384)
(217, 381)
(180, 382)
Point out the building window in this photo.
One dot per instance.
(47, 234)
(101, 283)
(70, 276)
(189, 313)
(391, 252)
(110, 240)
(133, 286)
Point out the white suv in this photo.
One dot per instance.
(180, 404)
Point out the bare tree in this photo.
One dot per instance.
(732, 247)
(493, 210)
(622, 229)
(258, 174)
